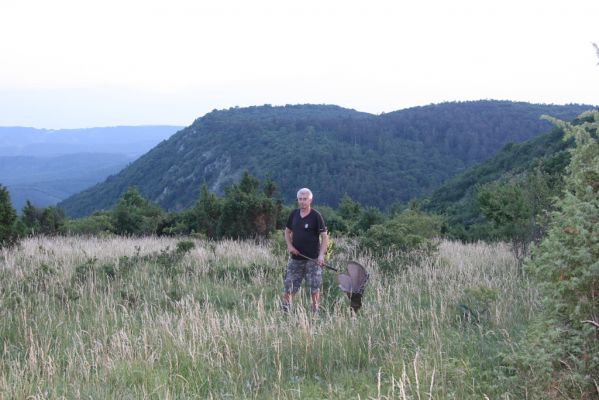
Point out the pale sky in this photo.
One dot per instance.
(87, 63)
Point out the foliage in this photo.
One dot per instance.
(367, 217)
(476, 304)
(98, 223)
(515, 208)
(545, 156)
(183, 223)
(348, 209)
(565, 354)
(44, 221)
(377, 160)
(8, 218)
(134, 215)
(207, 212)
(409, 236)
(246, 211)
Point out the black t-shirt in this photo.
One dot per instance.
(305, 232)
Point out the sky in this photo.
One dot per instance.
(91, 63)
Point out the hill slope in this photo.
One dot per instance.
(455, 199)
(377, 160)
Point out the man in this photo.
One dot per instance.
(307, 240)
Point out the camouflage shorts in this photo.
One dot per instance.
(300, 269)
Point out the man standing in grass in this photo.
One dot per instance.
(307, 240)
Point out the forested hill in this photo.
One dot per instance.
(377, 160)
(456, 198)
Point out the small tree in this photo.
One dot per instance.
(246, 212)
(564, 354)
(31, 217)
(207, 212)
(368, 216)
(408, 236)
(134, 215)
(269, 187)
(53, 221)
(8, 218)
(348, 209)
(513, 207)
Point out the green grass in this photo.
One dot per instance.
(134, 318)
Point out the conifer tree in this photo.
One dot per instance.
(348, 209)
(207, 212)
(564, 351)
(8, 217)
(247, 212)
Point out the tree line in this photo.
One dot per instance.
(249, 209)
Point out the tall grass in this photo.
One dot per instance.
(136, 318)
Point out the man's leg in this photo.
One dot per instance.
(314, 278)
(315, 301)
(292, 281)
(285, 305)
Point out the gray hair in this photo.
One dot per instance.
(304, 191)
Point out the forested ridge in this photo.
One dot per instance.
(456, 199)
(376, 159)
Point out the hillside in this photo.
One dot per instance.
(377, 160)
(455, 199)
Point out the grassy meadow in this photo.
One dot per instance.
(158, 318)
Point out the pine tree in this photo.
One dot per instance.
(567, 265)
(246, 212)
(348, 209)
(8, 218)
(207, 212)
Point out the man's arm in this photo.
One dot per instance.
(324, 243)
(290, 248)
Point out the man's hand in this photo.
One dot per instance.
(292, 250)
(320, 260)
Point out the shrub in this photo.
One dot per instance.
(98, 223)
(134, 215)
(409, 231)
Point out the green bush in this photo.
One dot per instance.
(408, 231)
(476, 304)
(134, 215)
(98, 223)
(368, 217)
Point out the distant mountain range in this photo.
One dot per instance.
(47, 166)
(130, 141)
(376, 159)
